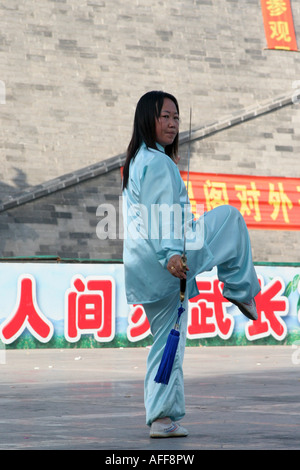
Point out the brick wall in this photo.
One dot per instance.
(63, 223)
(73, 71)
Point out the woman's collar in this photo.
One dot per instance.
(160, 147)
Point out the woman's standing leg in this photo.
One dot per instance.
(165, 400)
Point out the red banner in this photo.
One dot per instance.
(265, 202)
(279, 24)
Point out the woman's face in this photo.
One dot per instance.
(167, 125)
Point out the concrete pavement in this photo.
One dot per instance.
(236, 398)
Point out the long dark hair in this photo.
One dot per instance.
(147, 110)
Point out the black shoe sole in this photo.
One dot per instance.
(242, 309)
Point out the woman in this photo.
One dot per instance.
(153, 245)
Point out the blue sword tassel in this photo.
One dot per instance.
(166, 364)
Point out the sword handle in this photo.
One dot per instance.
(183, 281)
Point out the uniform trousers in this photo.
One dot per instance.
(227, 238)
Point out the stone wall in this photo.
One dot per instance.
(73, 71)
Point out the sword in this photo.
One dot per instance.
(183, 256)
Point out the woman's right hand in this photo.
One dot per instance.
(176, 267)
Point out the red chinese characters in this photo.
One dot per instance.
(271, 306)
(90, 308)
(26, 315)
(208, 316)
(139, 327)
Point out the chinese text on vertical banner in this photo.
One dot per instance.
(279, 24)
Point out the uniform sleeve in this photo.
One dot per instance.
(163, 214)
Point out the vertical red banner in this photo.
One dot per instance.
(279, 24)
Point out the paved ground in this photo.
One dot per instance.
(236, 398)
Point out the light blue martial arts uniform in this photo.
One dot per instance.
(151, 237)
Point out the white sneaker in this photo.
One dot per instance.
(159, 429)
(247, 308)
